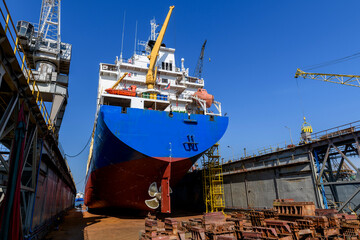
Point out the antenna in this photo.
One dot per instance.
(153, 24)
(122, 37)
(135, 38)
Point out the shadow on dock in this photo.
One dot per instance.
(123, 224)
(72, 225)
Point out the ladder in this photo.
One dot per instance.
(213, 184)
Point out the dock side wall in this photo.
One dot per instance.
(257, 181)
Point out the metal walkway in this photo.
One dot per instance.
(35, 181)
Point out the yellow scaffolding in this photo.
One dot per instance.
(213, 184)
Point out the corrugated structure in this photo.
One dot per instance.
(36, 184)
(320, 171)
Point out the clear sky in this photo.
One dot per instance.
(255, 47)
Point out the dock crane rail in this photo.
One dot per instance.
(349, 80)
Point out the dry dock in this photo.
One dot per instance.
(78, 225)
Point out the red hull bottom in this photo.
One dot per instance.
(125, 185)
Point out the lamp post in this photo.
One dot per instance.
(232, 152)
(290, 135)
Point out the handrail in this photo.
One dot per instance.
(339, 130)
(318, 136)
(21, 57)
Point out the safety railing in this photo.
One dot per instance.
(337, 131)
(11, 33)
(318, 136)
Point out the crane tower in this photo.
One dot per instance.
(48, 57)
(200, 62)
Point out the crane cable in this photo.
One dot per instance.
(332, 62)
(72, 156)
(320, 65)
(300, 98)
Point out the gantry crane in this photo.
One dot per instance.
(151, 74)
(349, 80)
(48, 57)
(200, 62)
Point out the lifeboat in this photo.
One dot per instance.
(126, 92)
(204, 95)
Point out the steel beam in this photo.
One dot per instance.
(28, 146)
(346, 158)
(357, 145)
(339, 169)
(331, 178)
(9, 109)
(341, 164)
(7, 131)
(318, 195)
(324, 164)
(349, 199)
(6, 165)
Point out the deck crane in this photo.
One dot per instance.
(120, 79)
(200, 62)
(151, 74)
(349, 80)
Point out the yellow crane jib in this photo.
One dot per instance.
(118, 81)
(151, 74)
(349, 80)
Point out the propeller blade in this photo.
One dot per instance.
(153, 189)
(169, 188)
(152, 203)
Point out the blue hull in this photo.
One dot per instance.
(126, 143)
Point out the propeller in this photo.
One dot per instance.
(155, 193)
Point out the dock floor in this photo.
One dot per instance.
(80, 224)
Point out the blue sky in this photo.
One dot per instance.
(255, 47)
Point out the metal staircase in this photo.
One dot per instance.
(213, 186)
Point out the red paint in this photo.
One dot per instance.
(165, 190)
(125, 185)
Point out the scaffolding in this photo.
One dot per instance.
(213, 185)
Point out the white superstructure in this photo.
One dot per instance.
(174, 89)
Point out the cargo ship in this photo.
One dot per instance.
(153, 122)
